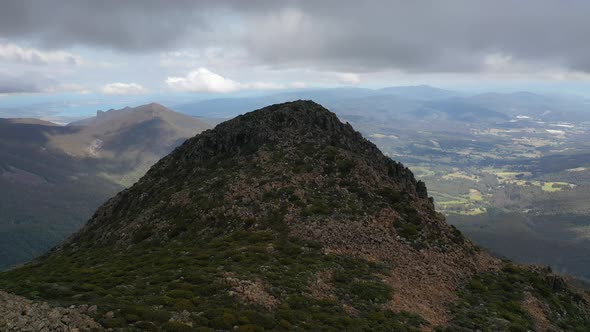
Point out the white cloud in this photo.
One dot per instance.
(204, 57)
(505, 66)
(123, 89)
(70, 87)
(566, 75)
(349, 78)
(15, 53)
(298, 85)
(204, 80)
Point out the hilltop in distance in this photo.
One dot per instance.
(53, 177)
(286, 218)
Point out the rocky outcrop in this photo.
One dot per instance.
(251, 292)
(17, 314)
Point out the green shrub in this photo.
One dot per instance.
(226, 320)
(345, 165)
(407, 230)
(317, 207)
(142, 233)
(146, 313)
(183, 304)
(250, 328)
(174, 326)
(147, 326)
(391, 195)
(180, 294)
(113, 322)
(376, 292)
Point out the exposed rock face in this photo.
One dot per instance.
(539, 312)
(18, 314)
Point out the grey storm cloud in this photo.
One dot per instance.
(12, 84)
(415, 36)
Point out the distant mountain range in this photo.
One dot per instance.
(52, 177)
(409, 103)
(230, 107)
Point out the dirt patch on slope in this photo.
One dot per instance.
(537, 311)
(321, 286)
(424, 281)
(251, 292)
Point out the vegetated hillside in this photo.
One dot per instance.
(53, 177)
(287, 219)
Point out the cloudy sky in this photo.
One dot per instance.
(130, 48)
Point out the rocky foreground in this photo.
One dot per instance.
(20, 314)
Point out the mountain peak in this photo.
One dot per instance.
(290, 125)
(153, 107)
(114, 117)
(156, 105)
(121, 130)
(281, 121)
(302, 114)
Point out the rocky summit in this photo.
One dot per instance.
(285, 219)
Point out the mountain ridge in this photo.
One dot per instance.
(66, 172)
